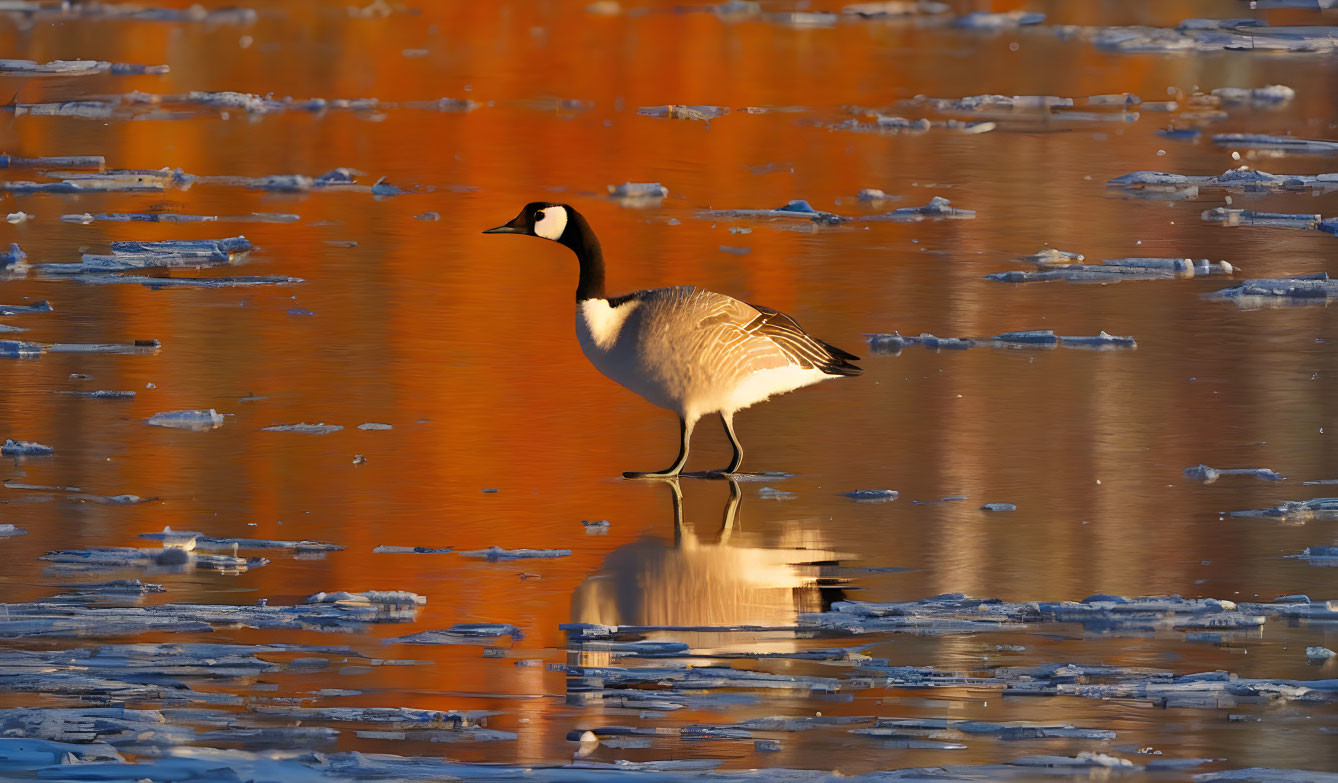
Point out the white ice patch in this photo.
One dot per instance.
(552, 223)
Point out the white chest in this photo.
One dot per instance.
(598, 325)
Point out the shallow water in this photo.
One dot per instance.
(503, 435)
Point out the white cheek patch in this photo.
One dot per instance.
(552, 224)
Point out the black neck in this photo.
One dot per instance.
(582, 241)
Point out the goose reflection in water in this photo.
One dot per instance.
(712, 577)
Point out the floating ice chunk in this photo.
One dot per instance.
(638, 190)
(1101, 341)
(1206, 35)
(13, 261)
(497, 553)
(1029, 337)
(77, 68)
(372, 425)
(1280, 292)
(369, 598)
(1296, 510)
(102, 394)
(1259, 141)
(1242, 180)
(1208, 475)
(17, 349)
(41, 306)
(976, 103)
(944, 343)
(676, 112)
(63, 162)
(383, 188)
(998, 507)
(7, 530)
(120, 558)
(1320, 653)
(172, 217)
(796, 208)
(871, 495)
(770, 493)
(1114, 99)
(413, 550)
(1267, 774)
(1247, 217)
(1116, 270)
(201, 541)
(106, 182)
(24, 448)
(187, 420)
(405, 717)
(895, 8)
(188, 282)
(1180, 134)
(1052, 257)
(938, 208)
(886, 343)
(1273, 94)
(982, 20)
(304, 428)
(1084, 759)
(1317, 556)
(462, 633)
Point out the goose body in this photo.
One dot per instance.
(685, 349)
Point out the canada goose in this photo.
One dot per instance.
(691, 351)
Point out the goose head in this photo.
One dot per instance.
(542, 219)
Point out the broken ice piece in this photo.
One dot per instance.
(1029, 337)
(1248, 217)
(1259, 141)
(412, 550)
(1319, 653)
(378, 597)
(998, 507)
(42, 306)
(794, 208)
(1208, 475)
(1274, 292)
(7, 530)
(1050, 256)
(1296, 511)
(881, 9)
(638, 190)
(462, 633)
(771, 493)
(372, 425)
(983, 20)
(24, 448)
(1269, 95)
(937, 208)
(595, 527)
(871, 495)
(678, 112)
(304, 428)
(17, 349)
(187, 420)
(1101, 340)
(497, 553)
(102, 394)
(63, 162)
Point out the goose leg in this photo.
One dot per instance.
(728, 420)
(685, 434)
